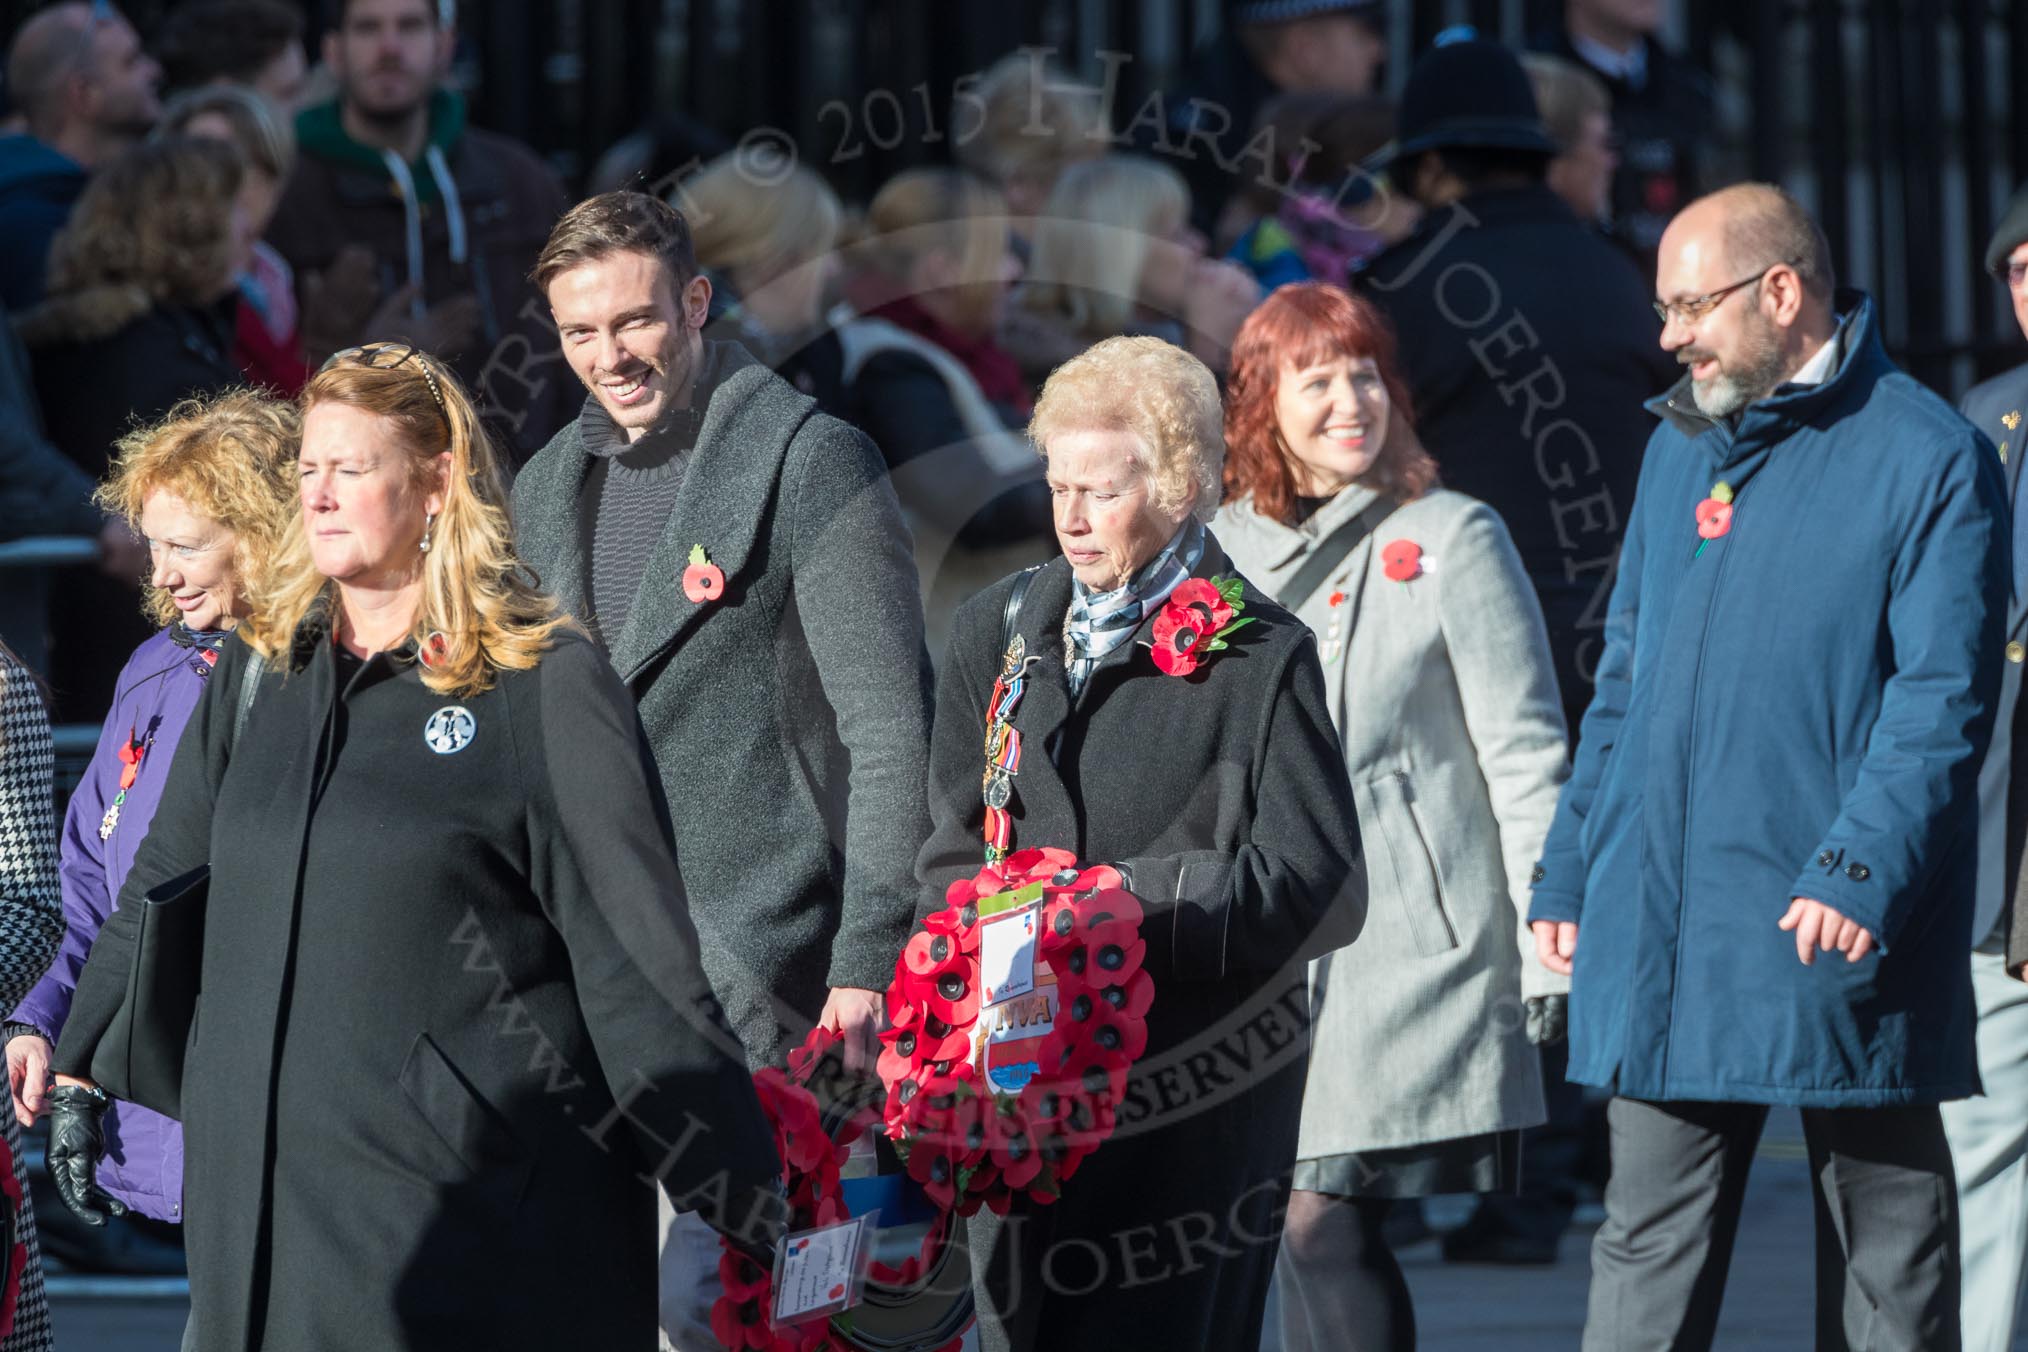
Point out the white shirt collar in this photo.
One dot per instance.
(1629, 67)
(1819, 367)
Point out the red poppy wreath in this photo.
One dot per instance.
(988, 1099)
(811, 1159)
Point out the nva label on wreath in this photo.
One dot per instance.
(1009, 1037)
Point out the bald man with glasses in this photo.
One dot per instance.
(1763, 866)
(85, 90)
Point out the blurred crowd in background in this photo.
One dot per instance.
(252, 186)
(234, 196)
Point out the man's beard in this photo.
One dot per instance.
(1753, 376)
(388, 115)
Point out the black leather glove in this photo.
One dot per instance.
(76, 1144)
(1547, 1018)
(755, 1221)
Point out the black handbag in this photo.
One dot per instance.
(140, 1056)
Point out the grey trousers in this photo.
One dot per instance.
(1886, 1232)
(1989, 1142)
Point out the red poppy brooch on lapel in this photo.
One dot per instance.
(1402, 561)
(703, 580)
(1714, 515)
(1196, 621)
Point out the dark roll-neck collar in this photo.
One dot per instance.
(677, 430)
(183, 636)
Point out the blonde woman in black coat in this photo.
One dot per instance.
(452, 1023)
(1220, 794)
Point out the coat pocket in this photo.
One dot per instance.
(473, 1130)
(1400, 855)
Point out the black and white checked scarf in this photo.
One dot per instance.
(1099, 622)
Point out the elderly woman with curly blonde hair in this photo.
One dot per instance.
(210, 488)
(452, 1019)
(1170, 720)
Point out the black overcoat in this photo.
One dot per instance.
(1529, 349)
(1224, 794)
(451, 1010)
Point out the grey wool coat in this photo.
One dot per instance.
(790, 717)
(451, 1017)
(1446, 704)
(1223, 796)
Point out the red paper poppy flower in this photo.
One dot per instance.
(1036, 864)
(1714, 518)
(740, 1324)
(958, 922)
(1099, 878)
(1014, 1152)
(900, 1013)
(703, 580)
(1110, 905)
(947, 1042)
(807, 1059)
(1060, 1153)
(1061, 927)
(1402, 561)
(929, 955)
(1201, 595)
(1180, 637)
(1133, 999)
(1116, 1038)
(1114, 951)
(900, 1054)
(741, 1277)
(953, 995)
(935, 1170)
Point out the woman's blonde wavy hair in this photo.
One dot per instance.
(1163, 396)
(231, 457)
(476, 595)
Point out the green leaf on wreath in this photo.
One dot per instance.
(1231, 588)
(965, 1176)
(1235, 625)
(1217, 645)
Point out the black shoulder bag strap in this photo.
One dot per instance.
(1015, 596)
(1331, 551)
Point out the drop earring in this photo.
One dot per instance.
(429, 521)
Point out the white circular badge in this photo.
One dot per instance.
(449, 729)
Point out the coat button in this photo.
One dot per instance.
(1858, 873)
(1825, 857)
(1537, 875)
(2015, 652)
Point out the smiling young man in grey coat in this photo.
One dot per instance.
(743, 560)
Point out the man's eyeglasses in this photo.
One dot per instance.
(387, 356)
(1696, 307)
(2012, 273)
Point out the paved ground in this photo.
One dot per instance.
(1460, 1309)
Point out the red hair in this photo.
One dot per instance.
(1300, 325)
